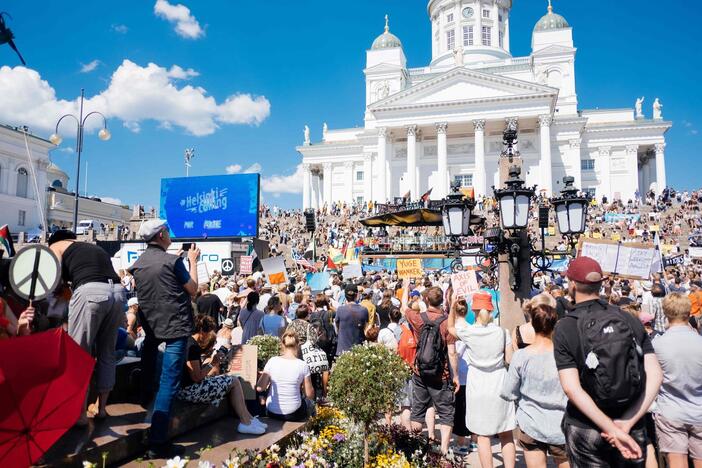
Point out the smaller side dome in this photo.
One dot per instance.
(551, 21)
(387, 40)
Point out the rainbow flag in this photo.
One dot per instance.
(6, 241)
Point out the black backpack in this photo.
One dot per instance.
(431, 349)
(613, 374)
(325, 332)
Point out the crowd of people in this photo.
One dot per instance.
(605, 371)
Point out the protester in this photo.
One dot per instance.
(282, 377)
(459, 419)
(210, 304)
(165, 290)
(202, 381)
(303, 329)
(432, 381)
(679, 404)
(532, 382)
(250, 317)
(603, 425)
(96, 309)
(489, 348)
(273, 323)
(351, 320)
(390, 335)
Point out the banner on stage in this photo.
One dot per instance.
(409, 268)
(464, 283)
(632, 260)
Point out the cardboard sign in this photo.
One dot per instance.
(202, 274)
(627, 260)
(274, 267)
(352, 270)
(409, 268)
(243, 363)
(246, 265)
(464, 283)
(227, 267)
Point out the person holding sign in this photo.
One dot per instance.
(165, 289)
(96, 309)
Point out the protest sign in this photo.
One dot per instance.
(352, 270)
(617, 217)
(318, 281)
(246, 265)
(695, 252)
(673, 260)
(631, 260)
(409, 268)
(243, 363)
(464, 283)
(274, 267)
(203, 275)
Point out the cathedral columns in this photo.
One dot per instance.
(327, 167)
(576, 169)
(412, 161)
(479, 181)
(367, 177)
(442, 163)
(381, 194)
(604, 153)
(546, 162)
(660, 168)
(306, 186)
(348, 196)
(632, 162)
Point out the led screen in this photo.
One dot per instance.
(211, 206)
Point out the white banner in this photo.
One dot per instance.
(211, 253)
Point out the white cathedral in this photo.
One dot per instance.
(428, 127)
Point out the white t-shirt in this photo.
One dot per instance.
(387, 338)
(286, 377)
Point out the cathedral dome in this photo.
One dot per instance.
(551, 21)
(387, 40)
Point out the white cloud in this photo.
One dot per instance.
(237, 168)
(179, 73)
(90, 66)
(66, 149)
(119, 28)
(114, 201)
(185, 23)
(278, 184)
(134, 94)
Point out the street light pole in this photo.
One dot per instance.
(56, 139)
(189, 155)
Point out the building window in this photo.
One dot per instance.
(22, 218)
(22, 182)
(486, 13)
(463, 180)
(590, 192)
(587, 164)
(487, 35)
(467, 35)
(359, 176)
(449, 18)
(450, 39)
(500, 18)
(502, 39)
(359, 199)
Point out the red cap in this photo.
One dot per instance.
(585, 270)
(481, 301)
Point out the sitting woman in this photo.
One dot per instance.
(202, 382)
(283, 377)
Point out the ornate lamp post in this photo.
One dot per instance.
(103, 134)
(456, 211)
(514, 201)
(571, 210)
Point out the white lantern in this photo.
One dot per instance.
(571, 210)
(514, 201)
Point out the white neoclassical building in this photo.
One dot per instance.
(427, 127)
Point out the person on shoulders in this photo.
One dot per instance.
(608, 371)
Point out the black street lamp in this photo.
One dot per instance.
(571, 210)
(103, 134)
(456, 212)
(514, 201)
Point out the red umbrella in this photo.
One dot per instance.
(43, 381)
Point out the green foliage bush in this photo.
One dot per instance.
(367, 380)
(268, 346)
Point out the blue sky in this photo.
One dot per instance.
(293, 63)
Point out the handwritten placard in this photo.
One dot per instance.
(409, 268)
(464, 283)
(246, 264)
(628, 260)
(243, 363)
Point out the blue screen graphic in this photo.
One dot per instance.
(211, 206)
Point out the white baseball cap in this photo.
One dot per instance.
(150, 228)
(132, 302)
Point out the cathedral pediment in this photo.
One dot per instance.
(462, 85)
(554, 49)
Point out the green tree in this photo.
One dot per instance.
(366, 381)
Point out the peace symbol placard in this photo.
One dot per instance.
(34, 272)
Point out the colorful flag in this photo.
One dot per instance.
(302, 261)
(425, 197)
(6, 241)
(336, 256)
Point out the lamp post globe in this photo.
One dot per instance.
(571, 209)
(104, 134)
(455, 214)
(514, 201)
(55, 139)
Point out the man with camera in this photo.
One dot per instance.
(165, 289)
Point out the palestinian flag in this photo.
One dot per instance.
(336, 256)
(331, 265)
(6, 241)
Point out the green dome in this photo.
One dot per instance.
(387, 40)
(551, 21)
